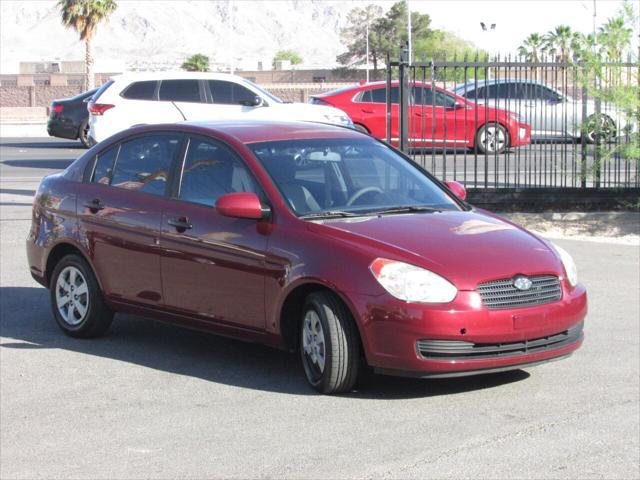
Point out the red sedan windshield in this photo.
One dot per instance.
(347, 177)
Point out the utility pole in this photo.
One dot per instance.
(409, 30)
(594, 19)
(367, 31)
(231, 66)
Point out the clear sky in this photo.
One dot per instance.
(514, 19)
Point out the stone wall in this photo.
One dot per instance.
(42, 95)
(301, 92)
(35, 96)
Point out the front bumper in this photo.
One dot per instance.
(521, 135)
(511, 338)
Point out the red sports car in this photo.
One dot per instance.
(437, 117)
(309, 237)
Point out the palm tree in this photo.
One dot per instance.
(531, 47)
(583, 46)
(558, 42)
(196, 63)
(615, 37)
(84, 16)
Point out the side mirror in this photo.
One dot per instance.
(242, 205)
(458, 189)
(254, 102)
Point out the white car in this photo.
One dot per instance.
(161, 97)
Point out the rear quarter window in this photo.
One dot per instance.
(144, 90)
(103, 168)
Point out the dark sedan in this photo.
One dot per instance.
(69, 118)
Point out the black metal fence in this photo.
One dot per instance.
(523, 125)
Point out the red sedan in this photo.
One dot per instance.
(437, 117)
(308, 237)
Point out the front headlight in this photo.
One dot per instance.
(410, 283)
(568, 263)
(339, 120)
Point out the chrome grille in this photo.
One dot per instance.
(499, 294)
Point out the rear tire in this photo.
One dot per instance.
(492, 139)
(606, 131)
(329, 344)
(83, 133)
(76, 299)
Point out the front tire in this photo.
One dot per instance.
(83, 133)
(329, 344)
(76, 299)
(492, 139)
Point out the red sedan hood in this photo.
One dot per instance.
(465, 247)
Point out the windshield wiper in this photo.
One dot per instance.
(404, 209)
(330, 214)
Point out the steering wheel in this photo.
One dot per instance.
(362, 192)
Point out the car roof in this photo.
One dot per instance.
(175, 75)
(495, 81)
(366, 86)
(254, 131)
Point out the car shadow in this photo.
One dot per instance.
(46, 144)
(42, 164)
(18, 191)
(212, 358)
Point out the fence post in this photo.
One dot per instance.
(388, 97)
(404, 98)
(583, 143)
(597, 154)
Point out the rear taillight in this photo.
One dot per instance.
(57, 108)
(98, 108)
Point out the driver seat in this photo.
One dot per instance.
(283, 171)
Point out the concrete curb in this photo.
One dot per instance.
(610, 227)
(23, 129)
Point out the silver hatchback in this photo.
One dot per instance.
(551, 113)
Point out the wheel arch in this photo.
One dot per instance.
(288, 315)
(59, 251)
(365, 129)
(498, 122)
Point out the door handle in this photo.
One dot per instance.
(181, 224)
(94, 205)
(364, 110)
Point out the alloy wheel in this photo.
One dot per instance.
(493, 139)
(313, 343)
(72, 296)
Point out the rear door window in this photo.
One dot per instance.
(230, 93)
(141, 90)
(379, 95)
(180, 90)
(424, 96)
(143, 163)
(211, 170)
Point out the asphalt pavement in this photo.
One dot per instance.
(155, 401)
